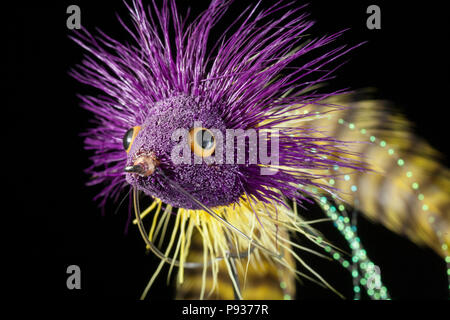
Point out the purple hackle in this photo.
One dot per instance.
(170, 57)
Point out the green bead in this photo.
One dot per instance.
(355, 245)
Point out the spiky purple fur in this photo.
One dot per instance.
(213, 185)
(247, 75)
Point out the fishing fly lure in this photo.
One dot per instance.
(231, 137)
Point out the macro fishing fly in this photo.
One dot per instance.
(231, 136)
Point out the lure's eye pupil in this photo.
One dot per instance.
(127, 138)
(202, 142)
(205, 139)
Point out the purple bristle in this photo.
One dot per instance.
(248, 76)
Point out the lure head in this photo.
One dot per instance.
(249, 80)
(171, 127)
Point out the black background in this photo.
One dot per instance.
(51, 218)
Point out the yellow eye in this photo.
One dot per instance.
(129, 137)
(202, 142)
